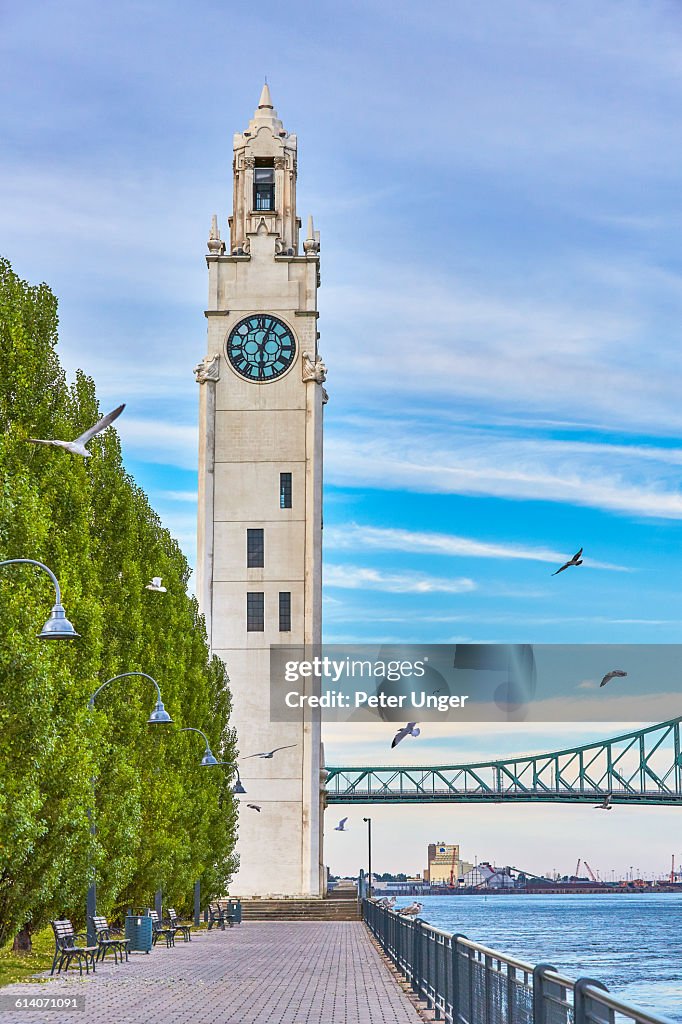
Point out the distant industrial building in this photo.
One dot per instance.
(444, 865)
(485, 876)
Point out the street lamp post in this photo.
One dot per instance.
(159, 716)
(369, 855)
(209, 760)
(57, 626)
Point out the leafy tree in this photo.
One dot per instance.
(160, 818)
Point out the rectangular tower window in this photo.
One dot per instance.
(285, 612)
(255, 549)
(285, 490)
(255, 613)
(264, 188)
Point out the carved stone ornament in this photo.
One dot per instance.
(215, 245)
(208, 369)
(280, 163)
(313, 370)
(325, 396)
(249, 162)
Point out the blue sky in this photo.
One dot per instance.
(497, 189)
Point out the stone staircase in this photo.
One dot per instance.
(301, 909)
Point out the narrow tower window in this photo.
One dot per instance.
(264, 188)
(255, 613)
(255, 549)
(285, 612)
(285, 490)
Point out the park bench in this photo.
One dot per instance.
(107, 941)
(216, 916)
(174, 922)
(232, 910)
(224, 911)
(161, 929)
(66, 948)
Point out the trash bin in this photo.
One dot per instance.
(139, 931)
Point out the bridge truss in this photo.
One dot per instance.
(640, 767)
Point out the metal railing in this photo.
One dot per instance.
(464, 982)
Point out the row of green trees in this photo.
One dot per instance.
(162, 820)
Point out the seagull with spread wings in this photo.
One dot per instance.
(616, 673)
(270, 753)
(156, 585)
(409, 730)
(254, 807)
(77, 446)
(576, 560)
(341, 827)
(605, 805)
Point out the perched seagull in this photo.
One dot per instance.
(77, 447)
(616, 673)
(576, 560)
(341, 827)
(254, 807)
(270, 753)
(410, 911)
(156, 585)
(605, 805)
(409, 730)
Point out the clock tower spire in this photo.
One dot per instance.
(259, 560)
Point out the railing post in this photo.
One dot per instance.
(455, 977)
(417, 956)
(580, 1003)
(539, 1015)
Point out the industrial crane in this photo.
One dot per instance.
(595, 878)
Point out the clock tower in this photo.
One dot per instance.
(259, 558)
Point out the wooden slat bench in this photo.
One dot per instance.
(67, 948)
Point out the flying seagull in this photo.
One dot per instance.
(156, 585)
(77, 447)
(616, 673)
(254, 807)
(270, 753)
(409, 730)
(341, 827)
(576, 560)
(605, 805)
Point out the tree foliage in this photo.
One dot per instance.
(161, 820)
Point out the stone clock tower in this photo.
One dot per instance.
(259, 565)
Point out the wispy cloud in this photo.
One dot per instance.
(642, 481)
(357, 537)
(350, 577)
(156, 440)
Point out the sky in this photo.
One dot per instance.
(497, 190)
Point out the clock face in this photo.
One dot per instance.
(261, 347)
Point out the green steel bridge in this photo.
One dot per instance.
(640, 767)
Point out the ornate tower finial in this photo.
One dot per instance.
(311, 246)
(215, 245)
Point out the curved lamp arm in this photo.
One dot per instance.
(159, 715)
(57, 626)
(237, 788)
(208, 760)
(32, 561)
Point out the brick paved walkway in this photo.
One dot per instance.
(279, 973)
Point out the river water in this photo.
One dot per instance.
(631, 943)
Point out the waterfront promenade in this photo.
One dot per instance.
(281, 973)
